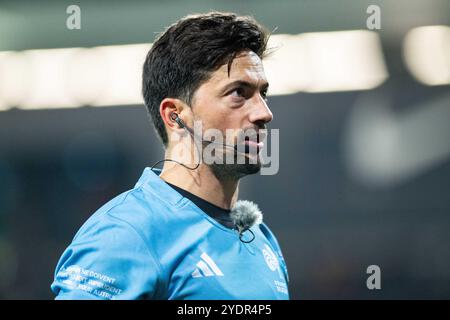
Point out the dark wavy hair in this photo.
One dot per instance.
(185, 55)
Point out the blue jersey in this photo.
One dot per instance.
(152, 243)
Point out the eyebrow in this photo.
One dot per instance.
(243, 83)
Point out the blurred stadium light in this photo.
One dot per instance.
(71, 77)
(12, 70)
(119, 74)
(427, 54)
(383, 149)
(310, 62)
(111, 75)
(325, 62)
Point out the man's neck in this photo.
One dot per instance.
(203, 183)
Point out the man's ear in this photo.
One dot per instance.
(167, 107)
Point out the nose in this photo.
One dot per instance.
(260, 113)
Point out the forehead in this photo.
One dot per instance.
(246, 66)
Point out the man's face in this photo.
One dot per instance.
(235, 101)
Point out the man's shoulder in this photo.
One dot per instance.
(113, 253)
(270, 236)
(133, 210)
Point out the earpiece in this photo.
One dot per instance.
(177, 119)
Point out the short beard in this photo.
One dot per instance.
(234, 171)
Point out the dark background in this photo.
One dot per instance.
(57, 166)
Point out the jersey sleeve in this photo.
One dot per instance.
(108, 259)
(274, 242)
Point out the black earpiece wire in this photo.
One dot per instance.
(175, 117)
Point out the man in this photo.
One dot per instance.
(180, 233)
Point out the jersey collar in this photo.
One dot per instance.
(151, 182)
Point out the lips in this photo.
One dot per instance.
(253, 143)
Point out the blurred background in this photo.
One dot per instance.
(364, 119)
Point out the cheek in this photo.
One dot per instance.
(219, 120)
(227, 119)
(218, 114)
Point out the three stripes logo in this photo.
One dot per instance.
(206, 267)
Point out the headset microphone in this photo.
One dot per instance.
(176, 118)
(180, 122)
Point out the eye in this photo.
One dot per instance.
(264, 94)
(238, 92)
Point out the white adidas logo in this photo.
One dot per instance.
(207, 267)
